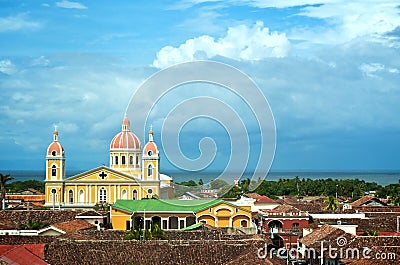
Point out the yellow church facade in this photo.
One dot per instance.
(133, 174)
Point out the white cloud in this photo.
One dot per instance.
(7, 67)
(41, 61)
(18, 22)
(352, 19)
(373, 69)
(67, 126)
(240, 43)
(70, 4)
(336, 21)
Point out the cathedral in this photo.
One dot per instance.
(133, 174)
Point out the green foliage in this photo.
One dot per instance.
(332, 203)
(230, 191)
(101, 207)
(18, 186)
(371, 233)
(32, 225)
(137, 233)
(190, 183)
(394, 199)
(157, 232)
(218, 183)
(392, 191)
(3, 180)
(318, 187)
(201, 182)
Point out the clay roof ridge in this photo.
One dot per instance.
(24, 245)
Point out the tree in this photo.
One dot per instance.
(190, 183)
(218, 183)
(332, 203)
(157, 232)
(31, 225)
(145, 234)
(3, 180)
(371, 233)
(394, 200)
(201, 182)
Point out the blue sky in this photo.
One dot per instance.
(330, 70)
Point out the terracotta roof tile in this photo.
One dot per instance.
(364, 200)
(24, 254)
(325, 233)
(75, 225)
(265, 199)
(252, 195)
(90, 213)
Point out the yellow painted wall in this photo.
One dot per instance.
(223, 212)
(57, 163)
(210, 220)
(224, 221)
(238, 218)
(119, 218)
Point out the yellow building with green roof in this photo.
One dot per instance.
(178, 214)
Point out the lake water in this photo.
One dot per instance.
(382, 178)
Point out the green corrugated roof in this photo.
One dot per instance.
(193, 226)
(155, 205)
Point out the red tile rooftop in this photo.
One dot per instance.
(23, 254)
(75, 225)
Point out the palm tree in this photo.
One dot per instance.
(3, 180)
(332, 203)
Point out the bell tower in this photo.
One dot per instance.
(151, 160)
(55, 160)
(55, 171)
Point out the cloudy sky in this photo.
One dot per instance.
(330, 70)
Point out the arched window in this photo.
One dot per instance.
(243, 223)
(124, 195)
(137, 160)
(53, 170)
(134, 195)
(71, 196)
(150, 171)
(131, 160)
(123, 160)
(103, 195)
(116, 160)
(81, 196)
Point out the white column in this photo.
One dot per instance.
(86, 194)
(109, 193)
(76, 194)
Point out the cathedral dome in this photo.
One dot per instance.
(125, 139)
(55, 148)
(150, 148)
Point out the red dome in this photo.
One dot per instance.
(55, 147)
(125, 139)
(150, 146)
